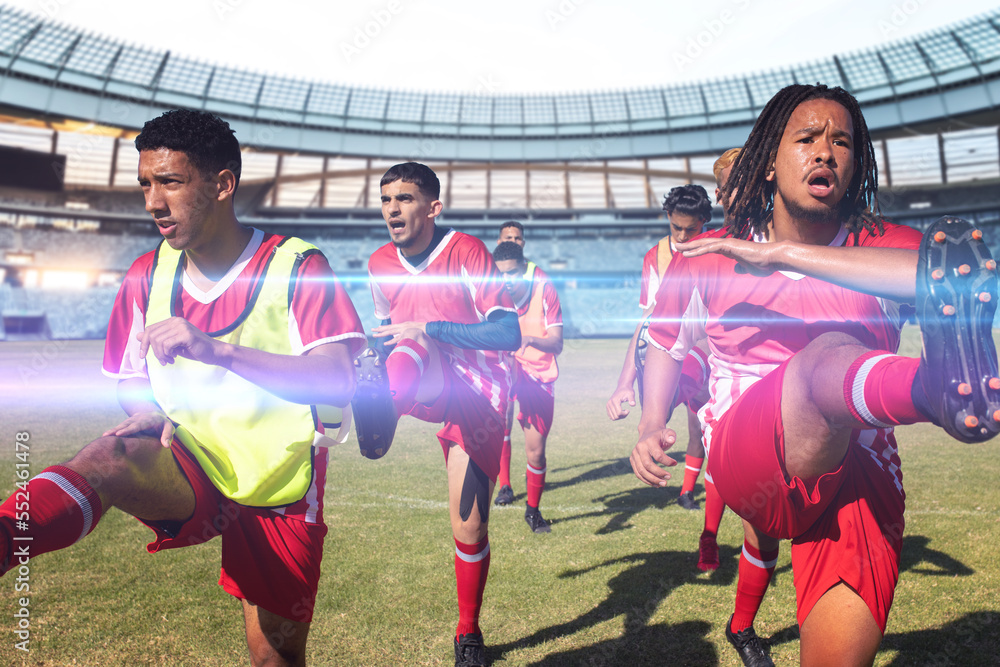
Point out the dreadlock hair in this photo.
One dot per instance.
(752, 206)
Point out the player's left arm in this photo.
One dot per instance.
(885, 272)
(552, 342)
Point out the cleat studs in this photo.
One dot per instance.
(940, 237)
(964, 389)
(937, 274)
(965, 270)
(985, 297)
(977, 234)
(971, 421)
(995, 384)
(948, 310)
(990, 265)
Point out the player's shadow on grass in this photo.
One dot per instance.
(608, 468)
(918, 557)
(681, 644)
(635, 593)
(621, 506)
(970, 640)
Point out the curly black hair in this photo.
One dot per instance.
(688, 200)
(752, 207)
(508, 250)
(207, 140)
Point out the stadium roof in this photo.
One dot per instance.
(56, 71)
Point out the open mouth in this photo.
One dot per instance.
(166, 227)
(820, 184)
(396, 225)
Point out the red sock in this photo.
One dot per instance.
(405, 366)
(877, 389)
(472, 564)
(535, 484)
(504, 478)
(714, 507)
(692, 468)
(756, 568)
(63, 509)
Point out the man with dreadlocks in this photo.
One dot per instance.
(800, 299)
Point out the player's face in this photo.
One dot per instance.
(512, 234)
(178, 196)
(815, 162)
(409, 214)
(513, 274)
(684, 227)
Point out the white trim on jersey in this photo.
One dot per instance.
(70, 490)
(205, 297)
(332, 339)
(430, 258)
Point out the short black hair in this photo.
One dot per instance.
(688, 200)
(508, 250)
(207, 140)
(413, 172)
(512, 223)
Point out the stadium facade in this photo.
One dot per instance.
(585, 171)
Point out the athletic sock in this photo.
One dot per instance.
(64, 508)
(535, 485)
(405, 366)
(692, 468)
(472, 564)
(504, 478)
(756, 568)
(714, 507)
(879, 391)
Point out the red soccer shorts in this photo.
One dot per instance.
(268, 559)
(469, 421)
(845, 526)
(536, 402)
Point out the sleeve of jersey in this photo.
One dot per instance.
(895, 236)
(550, 303)
(321, 311)
(128, 319)
(381, 301)
(649, 281)
(679, 314)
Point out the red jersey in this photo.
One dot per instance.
(753, 323)
(321, 312)
(651, 272)
(458, 282)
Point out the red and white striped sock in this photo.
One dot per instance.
(535, 482)
(472, 565)
(756, 568)
(878, 390)
(405, 366)
(692, 468)
(56, 509)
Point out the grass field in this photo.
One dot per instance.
(615, 582)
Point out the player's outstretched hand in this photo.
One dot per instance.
(176, 337)
(152, 422)
(616, 409)
(649, 456)
(759, 259)
(395, 331)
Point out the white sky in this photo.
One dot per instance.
(510, 46)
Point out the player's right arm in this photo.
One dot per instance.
(625, 390)
(660, 378)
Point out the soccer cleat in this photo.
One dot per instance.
(535, 521)
(470, 650)
(956, 286)
(374, 413)
(748, 645)
(505, 496)
(687, 501)
(708, 553)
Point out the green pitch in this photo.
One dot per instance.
(615, 582)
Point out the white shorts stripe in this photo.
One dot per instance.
(858, 392)
(473, 558)
(74, 493)
(764, 565)
(536, 471)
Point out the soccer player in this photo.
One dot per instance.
(224, 340)
(449, 317)
(799, 297)
(511, 231)
(540, 317)
(688, 209)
